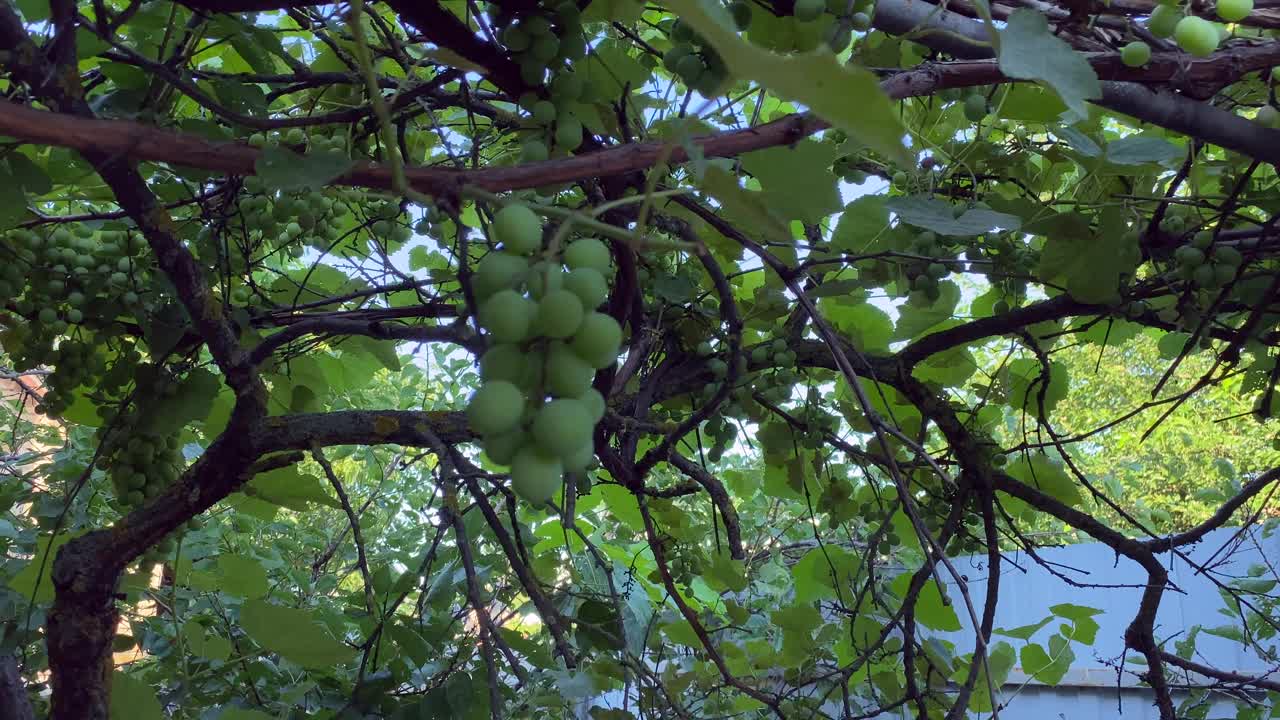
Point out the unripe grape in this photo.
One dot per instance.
(534, 151)
(671, 58)
(568, 132)
(559, 314)
(1164, 21)
(567, 375)
(507, 316)
(544, 48)
(1196, 35)
(1234, 10)
(860, 21)
(497, 271)
(597, 340)
(588, 253)
(518, 229)
(543, 278)
(535, 476)
(567, 86)
(544, 113)
(594, 402)
(579, 460)
(975, 107)
(515, 38)
(1268, 116)
(502, 448)
(1135, 54)
(496, 408)
(504, 361)
(562, 426)
(589, 285)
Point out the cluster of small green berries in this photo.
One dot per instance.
(552, 122)
(694, 61)
(1206, 265)
(535, 409)
(924, 275)
(546, 36)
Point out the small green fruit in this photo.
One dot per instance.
(1234, 10)
(1135, 54)
(1196, 36)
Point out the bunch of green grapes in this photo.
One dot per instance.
(67, 287)
(535, 409)
(546, 36)
(924, 274)
(693, 60)
(1206, 265)
(141, 460)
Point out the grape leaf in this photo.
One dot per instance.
(1029, 51)
(295, 635)
(939, 216)
(848, 97)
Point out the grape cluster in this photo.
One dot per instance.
(535, 409)
(1206, 265)
(923, 275)
(546, 36)
(694, 61)
(140, 459)
(68, 281)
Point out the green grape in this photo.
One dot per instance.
(690, 68)
(597, 340)
(496, 407)
(1223, 274)
(1202, 240)
(567, 375)
(1164, 20)
(534, 151)
(1135, 54)
(1234, 10)
(589, 285)
(497, 271)
(594, 402)
(1189, 256)
(507, 315)
(975, 107)
(579, 460)
(588, 253)
(544, 277)
(518, 229)
(809, 10)
(1228, 256)
(567, 86)
(860, 21)
(502, 448)
(1196, 36)
(504, 361)
(47, 315)
(568, 132)
(1204, 276)
(560, 314)
(1268, 116)
(544, 113)
(544, 48)
(573, 46)
(535, 476)
(672, 57)
(562, 426)
(515, 38)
